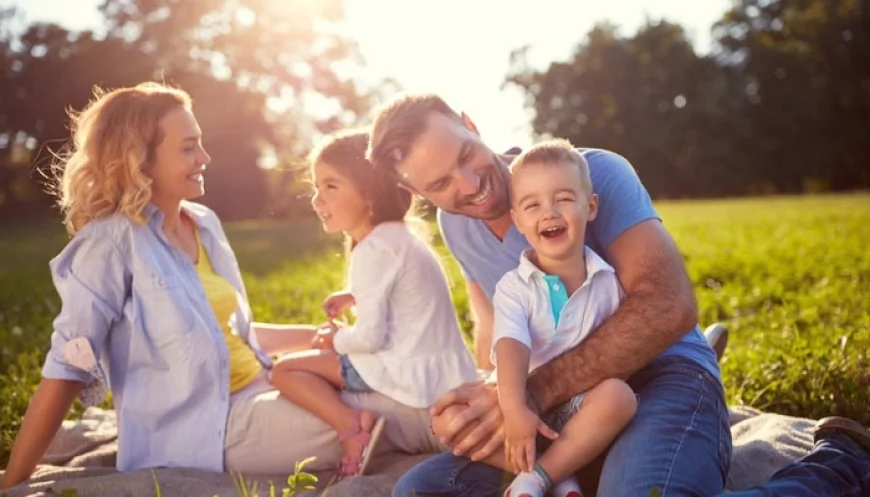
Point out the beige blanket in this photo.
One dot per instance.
(83, 454)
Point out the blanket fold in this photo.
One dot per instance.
(82, 457)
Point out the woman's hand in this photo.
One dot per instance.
(337, 303)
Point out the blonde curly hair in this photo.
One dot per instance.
(113, 139)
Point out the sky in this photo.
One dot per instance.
(460, 49)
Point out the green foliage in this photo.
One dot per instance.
(789, 276)
(297, 483)
(232, 57)
(778, 105)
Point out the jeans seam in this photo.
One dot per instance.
(454, 477)
(685, 432)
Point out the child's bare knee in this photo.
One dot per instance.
(619, 398)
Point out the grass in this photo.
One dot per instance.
(790, 276)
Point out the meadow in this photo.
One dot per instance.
(789, 276)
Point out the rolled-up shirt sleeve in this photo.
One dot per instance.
(92, 281)
(510, 314)
(373, 271)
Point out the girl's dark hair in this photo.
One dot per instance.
(345, 151)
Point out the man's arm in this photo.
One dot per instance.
(658, 309)
(482, 315)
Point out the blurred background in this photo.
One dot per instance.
(706, 98)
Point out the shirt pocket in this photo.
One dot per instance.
(164, 307)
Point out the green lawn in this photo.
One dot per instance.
(790, 276)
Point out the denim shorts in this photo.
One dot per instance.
(353, 382)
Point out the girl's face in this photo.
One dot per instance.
(339, 204)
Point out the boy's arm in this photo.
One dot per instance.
(512, 341)
(511, 375)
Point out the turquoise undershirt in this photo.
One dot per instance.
(558, 295)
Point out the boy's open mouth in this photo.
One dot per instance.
(553, 232)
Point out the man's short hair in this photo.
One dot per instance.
(554, 152)
(399, 123)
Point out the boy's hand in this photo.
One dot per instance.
(337, 303)
(521, 427)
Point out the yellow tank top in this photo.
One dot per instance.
(244, 365)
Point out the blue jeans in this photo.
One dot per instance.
(679, 441)
(836, 466)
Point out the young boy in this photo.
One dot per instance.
(560, 292)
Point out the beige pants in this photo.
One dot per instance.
(267, 434)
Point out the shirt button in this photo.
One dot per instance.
(555, 286)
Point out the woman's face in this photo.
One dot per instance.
(179, 160)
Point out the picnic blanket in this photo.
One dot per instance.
(82, 457)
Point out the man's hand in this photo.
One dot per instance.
(472, 424)
(521, 427)
(475, 429)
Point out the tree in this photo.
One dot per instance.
(649, 97)
(805, 68)
(782, 106)
(265, 77)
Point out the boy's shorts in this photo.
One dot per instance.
(353, 382)
(559, 416)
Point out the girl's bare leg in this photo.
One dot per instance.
(311, 380)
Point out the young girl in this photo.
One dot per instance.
(405, 343)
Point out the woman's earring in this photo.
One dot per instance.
(371, 211)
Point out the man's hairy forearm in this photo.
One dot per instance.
(644, 325)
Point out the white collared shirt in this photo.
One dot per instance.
(406, 342)
(523, 308)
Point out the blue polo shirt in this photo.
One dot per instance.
(622, 203)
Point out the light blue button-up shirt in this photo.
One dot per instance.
(139, 303)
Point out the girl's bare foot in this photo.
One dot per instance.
(357, 440)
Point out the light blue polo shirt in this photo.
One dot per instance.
(623, 202)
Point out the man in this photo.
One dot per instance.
(679, 441)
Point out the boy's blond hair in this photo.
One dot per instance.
(554, 152)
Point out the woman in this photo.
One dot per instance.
(154, 307)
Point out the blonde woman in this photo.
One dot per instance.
(154, 308)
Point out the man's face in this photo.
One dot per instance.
(451, 167)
